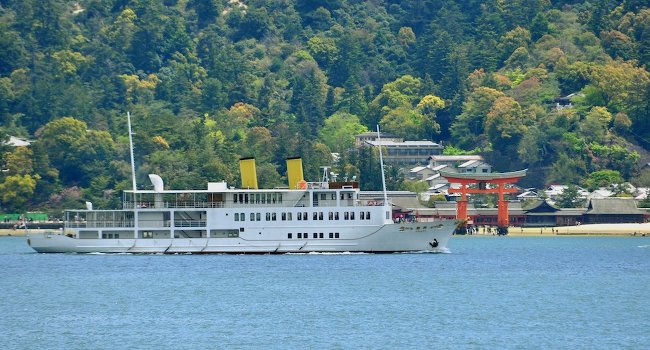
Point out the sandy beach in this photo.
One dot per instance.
(580, 230)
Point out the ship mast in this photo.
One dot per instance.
(381, 163)
(128, 118)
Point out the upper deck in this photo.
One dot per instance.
(316, 194)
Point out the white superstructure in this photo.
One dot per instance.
(323, 217)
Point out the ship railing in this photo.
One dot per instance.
(189, 223)
(97, 223)
(318, 185)
(165, 205)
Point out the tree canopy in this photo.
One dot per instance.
(561, 88)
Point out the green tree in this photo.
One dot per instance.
(505, 123)
(569, 198)
(406, 37)
(626, 88)
(401, 93)
(369, 170)
(603, 178)
(259, 144)
(18, 162)
(309, 94)
(595, 125)
(340, 130)
(567, 170)
(16, 190)
(469, 126)
(323, 50)
(74, 150)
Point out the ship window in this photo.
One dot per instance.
(315, 216)
(299, 216)
(241, 198)
(299, 235)
(367, 215)
(363, 215)
(333, 196)
(279, 197)
(258, 216)
(336, 215)
(289, 235)
(242, 217)
(304, 215)
(273, 217)
(352, 216)
(315, 235)
(284, 216)
(268, 216)
(289, 216)
(236, 216)
(320, 235)
(323, 196)
(252, 216)
(330, 215)
(241, 229)
(336, 235)
(346, 215)
(331, 235)
(349, 195)
(234, 197)
(320, 216)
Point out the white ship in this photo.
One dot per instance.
(306, 217)
(224, 220)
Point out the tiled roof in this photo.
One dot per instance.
(613, 206)
(470, 164)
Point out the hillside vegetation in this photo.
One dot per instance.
(210, 81)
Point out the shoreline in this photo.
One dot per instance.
(22, 232)
(627, 229)
(579, 230)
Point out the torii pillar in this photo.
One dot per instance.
(481, 180)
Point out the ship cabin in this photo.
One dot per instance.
(186, 211)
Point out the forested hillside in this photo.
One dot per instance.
(210, 81)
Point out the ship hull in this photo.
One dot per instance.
(388, 238)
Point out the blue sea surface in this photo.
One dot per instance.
(488, 293)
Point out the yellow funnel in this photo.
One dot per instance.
(294, 172)
(248, 173)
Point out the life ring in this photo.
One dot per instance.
(434, 244)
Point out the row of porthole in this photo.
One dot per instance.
(305, 235)
(302, 216)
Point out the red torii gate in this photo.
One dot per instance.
(482, 179)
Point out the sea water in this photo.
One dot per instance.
(487, 293)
